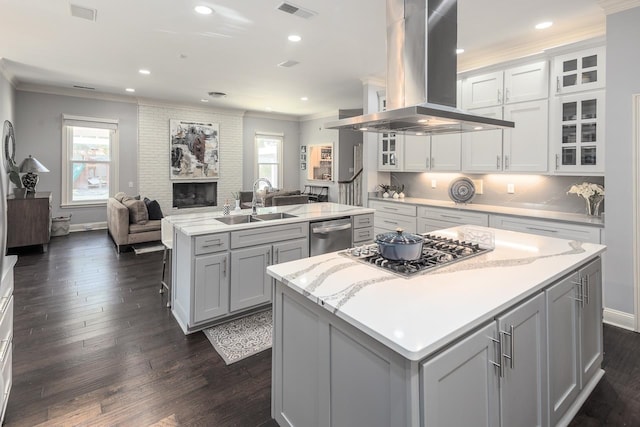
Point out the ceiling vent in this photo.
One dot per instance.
(288, 64)
(292, 9)
(83, 12)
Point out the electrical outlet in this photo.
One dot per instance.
(478, 183)
(511, 188)
(434, 183)
(130, 184)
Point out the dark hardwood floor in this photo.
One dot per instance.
(95, 345)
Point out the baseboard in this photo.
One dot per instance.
(88, 226)
(619, 319)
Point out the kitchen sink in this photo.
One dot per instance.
(276, 215)
(245, 219)
(238, 219)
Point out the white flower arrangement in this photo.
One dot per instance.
(587, 190)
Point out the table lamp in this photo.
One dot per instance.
(29, 167)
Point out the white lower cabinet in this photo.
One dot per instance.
(250, 285)
(390, 216)
(211, 287)
(562, 230)
(494, 377)
(431, 219)
(6, 332)
(575, 336)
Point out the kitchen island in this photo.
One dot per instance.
(511, 337)
(219, 261)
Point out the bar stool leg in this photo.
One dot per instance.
(164, 267)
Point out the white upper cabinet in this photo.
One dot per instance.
(525, 146)
(516, 84)
(577, 137)
(437, 153)
(579, 71)
(389, 152)
(482, 151)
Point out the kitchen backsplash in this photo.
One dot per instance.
(530, 191)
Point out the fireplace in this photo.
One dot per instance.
(194, 194)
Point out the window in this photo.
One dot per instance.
(269, 158)
(89, 160)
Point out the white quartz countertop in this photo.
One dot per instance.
(8, 263)
(194, 224)
(501, 210)
(417, 316)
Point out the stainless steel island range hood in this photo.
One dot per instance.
(421, 74)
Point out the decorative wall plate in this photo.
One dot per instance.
(462, 190)
(9, 144)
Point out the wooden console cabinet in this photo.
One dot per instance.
(29, 220)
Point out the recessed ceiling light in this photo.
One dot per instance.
(304, 98)
(204, 100)
(419, 133)
(268, 108)
(363, 129)
(130, 89)
(294, 38)
(143, 71)
(543, 25)
(459, 51)
(478, 128)
(203, 10)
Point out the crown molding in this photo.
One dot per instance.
(148, 102)
(615, 6)
(333, 115)
(11, 78)
(271, 115)
(374, 81)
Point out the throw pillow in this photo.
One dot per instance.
(120, 196)
(153, 208)
(137, 211)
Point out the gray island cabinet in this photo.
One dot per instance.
(219, 270)
(512, 337)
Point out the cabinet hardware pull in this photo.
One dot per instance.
(557, 161)
(450, 216)
(268, 256)
(541, 229)
(498, 162)
(224, 267)
(580, 292)
(507, 95)
(558, 84)
(277, 257)
(496, 364)
(6, 344)
(390, 222)
(433, 162)
(499, 98)
(509, 356)
(587, 293)
(428, 162)
(213, 244)
(386, 208)
(5, 303)
(506, 162)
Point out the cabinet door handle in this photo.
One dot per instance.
(433, 162)
(213, 244)
(277, 256)
(558, 84)
(557, 161)
(269, 257)
(542, 229)
(6, 344)
(224, 267)
(587, 292)
(428, 162)
(507, 94)
(498, 162)
(506, 162)
(450, 216)
(499, 97)
(580, 292)
(511, 345)
(386, 208)
(498, 365)
(390, 222)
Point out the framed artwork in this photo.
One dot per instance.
(194, 150)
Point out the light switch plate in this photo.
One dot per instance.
(433, 183)
(511, 188)
(478, 184)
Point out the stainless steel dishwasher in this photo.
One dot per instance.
(329, 236)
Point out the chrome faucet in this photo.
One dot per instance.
(255, 191)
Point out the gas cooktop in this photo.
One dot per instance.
(437, 251)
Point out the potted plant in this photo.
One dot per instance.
(385, 189)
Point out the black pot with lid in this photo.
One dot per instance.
(399, 246)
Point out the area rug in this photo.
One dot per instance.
(143, 248)
(241, 338)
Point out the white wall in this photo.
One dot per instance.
(313, 132)
(38, 126)
(623, 63)
(154, 153)
(291, 149)
(7, 112)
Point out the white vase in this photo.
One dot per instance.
(237, 208)
(385, 195)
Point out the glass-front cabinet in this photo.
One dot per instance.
(389, 152)
(578, 135)
(583, 70)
